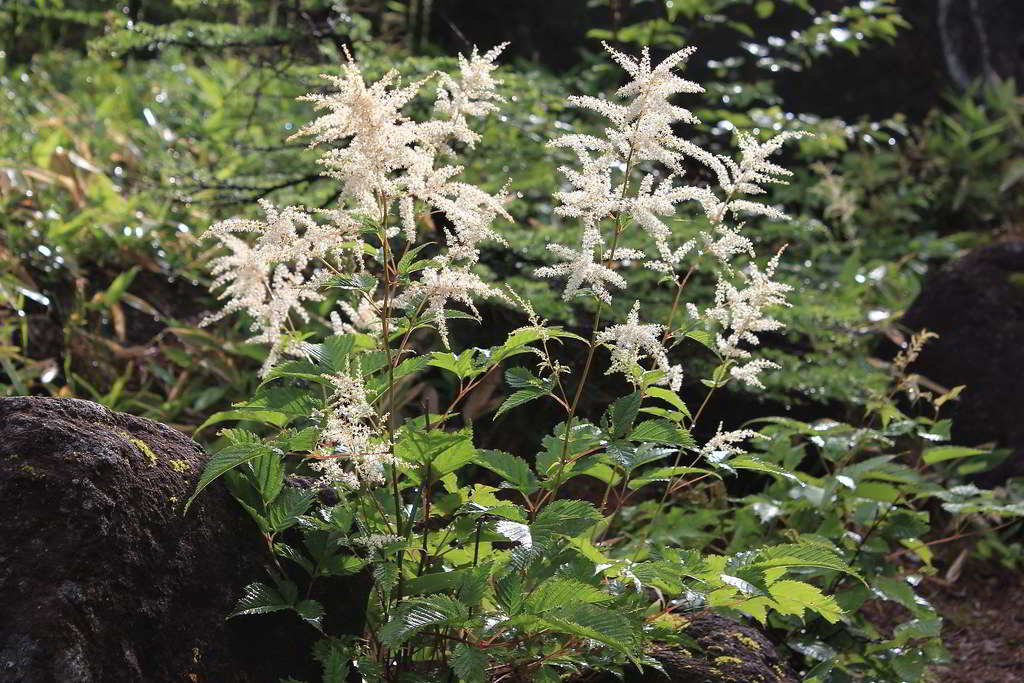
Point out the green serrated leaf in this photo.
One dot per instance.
(514, 470)
(799, 555)
(461, 365)
(794, 597)
(312, 612)
(419, 613)
(916, 629)
(226, 459)
(669, 397)
(297, 369)
(662, 431)
(444, 451)
(268, 475)
(941, 453)
(559, 592)
(290, 504)
(757, 465)
(509, 592)
(410, 366)
(630, 456)
(469, 663)
(258, 598)
(623, 412)
(667, 474)
(271, 417)
(564, 517)
(334, 658)
(519, 398)
(519, 378)
(596, 623)
(703, 338)
(406, 263)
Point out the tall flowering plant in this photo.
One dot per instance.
(471, 580)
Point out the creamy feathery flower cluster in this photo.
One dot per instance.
(601, 187)
(632, 342)
(741, 314)
(354, 449)
(438, 286)
(640, 131)
(271, 278)
(724, 444)
(363, 317)
(386, 163)
(374, 542)
(579, 268)
(389, 162)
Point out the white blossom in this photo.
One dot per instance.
(633, 341)
(475, 92)
(381, 156)
(600, 187)
(374, 542)
(724, 444)
(741, 313)
(748, 372)
(640, 131)
(581, 270)
(353, 449)
(271, 278)
(363, 317)
(438, 286)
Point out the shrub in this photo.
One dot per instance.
(482, 567)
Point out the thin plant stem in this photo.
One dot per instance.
(619, 229)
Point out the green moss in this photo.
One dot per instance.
(146, 450)
(180, 466)
(1016, 279)
(142, 446)
(748, 641)
(29, 470)
(672, 621)
(728, 660)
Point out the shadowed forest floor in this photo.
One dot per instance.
(984, 625)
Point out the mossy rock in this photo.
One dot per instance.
(102, 578)
(731, 652)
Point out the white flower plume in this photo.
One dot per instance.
(632, 342)
(581, 270)
(271, 278)
(438, 286)
(741, 314)
(353, 448)
(724, 444)
(387, 161)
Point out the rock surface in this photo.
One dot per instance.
(732, 653)
(101, 576)
(976, 306)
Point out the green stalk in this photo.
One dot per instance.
(390, 400)
(619, 229)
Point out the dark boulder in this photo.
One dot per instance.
(976, 306)
(729, 652)
(102, 578)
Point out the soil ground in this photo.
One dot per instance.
(983, 613)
